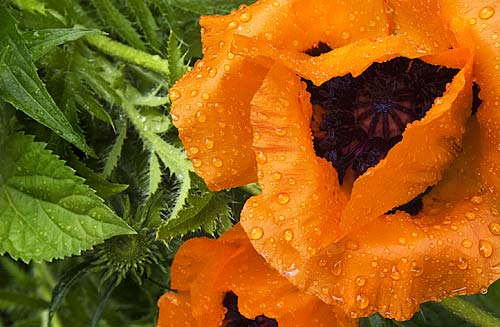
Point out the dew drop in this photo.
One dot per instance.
(261, 157)
(196, 162)
(277, 176)
(462, 264)
(395, 275)
(472, 21)
(280, 131)
(174, 95)
(193, 150)
(217, 162)
(485, 248)
(360, 281)
(352, 245)
(362, 301)
(470, 215)
(200, 116)
(288, 235)
(495, 269)
(283, 198)
(486, 12)
(232, 25)
(476, 199)
(209, 143)
(345, 35)
(467, 243)
(494, 228)
(245, 17)
(337, 268)
(402, 240)
(227, 68)
(256, 233)
(212, 72)
(417, 270)
(322, 262)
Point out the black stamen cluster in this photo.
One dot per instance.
(234, 318)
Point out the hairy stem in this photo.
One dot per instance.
(470, 312)
(129, 54)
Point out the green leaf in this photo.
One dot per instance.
(102, 186)
(67, 280)
(40, 42)
(155, 174)
(105, 294)
(30, 5)
(10, 299)
(204, 7)
(115, 151)
(89, 103)
(175, 59)
(46, 211)
(21, 86)
(123, 27)
(146, 21)
(204, 210)
(7, 120)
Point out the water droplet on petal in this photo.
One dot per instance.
(360, 281)
(337, 268)
(362, 301)
(467, 244)
(261, 157)
(277, 176)
(470, 215)
(193, 150)
(462, 264)
(209, 143)
(486, 12)
(395, 275)
(196, 162)
(345, 35)
(217, 162)
(352, 245)
(245, 17)
(288, 235)
(495, 269)
(283, 198)
(322, 262)
(200, 116)
(256, 233)
(472, 21)
(476, 199)
(402, 240)
(212, 72)
(174, 95)
(417, 270)
(494, 229)
(485, 248)
(280, 131)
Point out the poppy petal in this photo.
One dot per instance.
(175, 310)
(483, 19)
(450, 248)
(231, 264)
(298, 210)
(429, 146)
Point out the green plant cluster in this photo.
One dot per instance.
(96, 192)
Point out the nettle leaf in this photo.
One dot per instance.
(40, 42)
(146, 21)
(155, 174)
(47, 212)
(203, 7)
(21, 86)
(30, 5)
(175, 59)
(115, 150)
(205, 210)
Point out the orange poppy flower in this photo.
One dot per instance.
(222, 282)
(393, 200)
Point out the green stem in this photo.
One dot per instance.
(470, 312)
(252, 188)
(45, 291)
(132, 55)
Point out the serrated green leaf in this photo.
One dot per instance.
(155, 174)
(172, 157)
(87, 102)
(123, 27)
(146, 21)
(115, 151)
(175, 59)
(10, 299)
(46, 211)
(30, 5)
(21, 86)
(7, 120)
(204, 210)
(204, 7)
(40, 42)
(103, 187)
(67, 280)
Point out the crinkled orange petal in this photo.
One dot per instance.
(298, 211)
(428, 147)
(175, 310)
(210, 104)
(231, 264)
(396, 263)
(483, 17)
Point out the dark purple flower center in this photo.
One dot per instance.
(234, 318)
(357, 120)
